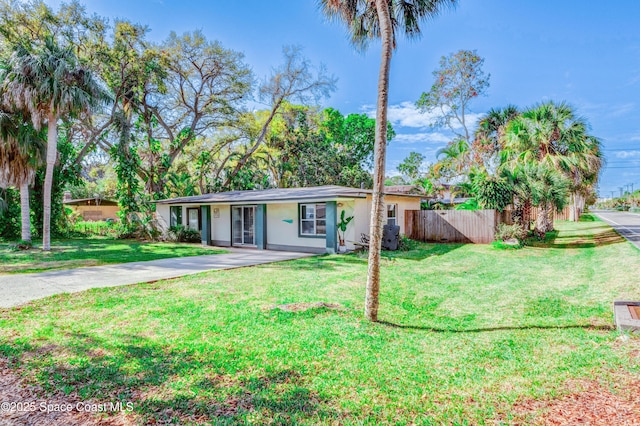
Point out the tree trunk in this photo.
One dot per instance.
(526, 214)
(377, 204)
(549, 217)
(52, 151)
(574, 209)
(25, 212)
(542, 221)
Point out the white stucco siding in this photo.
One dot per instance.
(221, 224)
(282, 234)
(162, 217)
(349, 207)
(404, 204)
(363, 210)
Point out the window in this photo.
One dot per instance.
(175, 215)
(392, 212)
(313, 219)
(193, 219)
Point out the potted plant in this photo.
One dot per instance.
(342, 228)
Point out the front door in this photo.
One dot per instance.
(244, 220)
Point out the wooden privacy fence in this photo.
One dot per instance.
(507, 215)
(451, 226)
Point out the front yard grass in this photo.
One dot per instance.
(68, 254)
(470, 335)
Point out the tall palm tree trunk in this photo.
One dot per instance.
(545, 217)
(549, 217)
(52, 150)
(377, 204)
(25, 212)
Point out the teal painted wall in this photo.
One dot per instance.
(205, 232)
(332, 227)
(261, 226)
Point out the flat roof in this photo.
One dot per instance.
(276, 194)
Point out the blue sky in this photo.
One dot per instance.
(583, 52)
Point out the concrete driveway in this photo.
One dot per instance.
(627, 224)
(17, 289)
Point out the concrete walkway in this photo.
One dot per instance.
(17, 289)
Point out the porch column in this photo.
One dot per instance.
(261, 226)
(332, 227)
(205, 230)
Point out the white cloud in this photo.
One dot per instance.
(405, 114)
(434, 137)
(628, 154)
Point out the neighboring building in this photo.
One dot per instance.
(292, 219)
(92, 209)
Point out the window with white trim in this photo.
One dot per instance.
(392, 214)
(313, 219)
(175, 215)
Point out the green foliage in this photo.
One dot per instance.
(103, 229)
(128, 190)
(410, 166)
(492, 192)
(547, 186)
(21, 246)
(342, 225)
(10, 224)
(506, 232)
(65, 173)
(470, 204)
(181, 234)
(407, 244)
(344, 221)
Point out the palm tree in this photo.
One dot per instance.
(49, 84)
(553, 135)
(380, 19)
(453, 159)
(489, 136)
(21, 152)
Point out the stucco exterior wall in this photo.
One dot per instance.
(96, 213)
(162, 217)
(404, 203)
(221, 224)
(284, 235)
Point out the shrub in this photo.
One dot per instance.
(506, 232)
(407, 244)
(181, 234)
(21, 245)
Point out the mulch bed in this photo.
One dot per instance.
(14, 388)
(592, 405)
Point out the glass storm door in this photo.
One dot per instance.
(193, 219)
(244, 225)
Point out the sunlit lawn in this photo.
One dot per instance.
(468, 332)
(66, 254)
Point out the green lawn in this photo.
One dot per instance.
(471, 335)
(66, 254)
